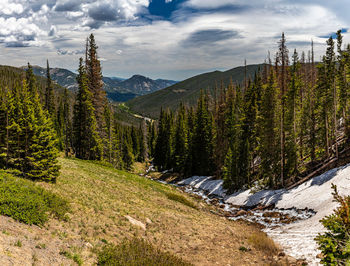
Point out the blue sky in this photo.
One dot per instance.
(172, 39)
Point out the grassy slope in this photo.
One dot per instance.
(101, 197)
(188, 90)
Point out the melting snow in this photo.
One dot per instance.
(308, 202)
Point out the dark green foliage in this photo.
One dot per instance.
(136, 252)
(164, 144)
(29, 140)
(49, 94)
(87, 142)
(335, 242)
(180, 141)
(268, 150)
(203, 138)
(24, 201)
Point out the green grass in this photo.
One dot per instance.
(136, 252)
(28, 203)
(73, 256)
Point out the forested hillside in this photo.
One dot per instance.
(291, 120)
(188, 91)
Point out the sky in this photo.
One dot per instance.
(172, 39)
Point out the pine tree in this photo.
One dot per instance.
(67, 123)
(232, 166)
(41, 156)
(127, 155)
(95, 83)
(282, 62)
(49, 94)
(291, 157)
(268, 150)
(30, 78)
(203, 138)
(181, 141)
(87, 143)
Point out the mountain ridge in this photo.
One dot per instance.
(188, 91)
(117, 89)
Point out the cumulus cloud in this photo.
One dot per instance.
(67, 5)
(19, 32)
(8, 7)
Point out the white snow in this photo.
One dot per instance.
(297, 238)
(206, 183)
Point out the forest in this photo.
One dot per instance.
(292, 116)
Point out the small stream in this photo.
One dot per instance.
(280, 224)
(267, 217)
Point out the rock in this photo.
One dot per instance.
(135, 222)
(88, 245)
(281, 254)
(240, 213)
(148, 221)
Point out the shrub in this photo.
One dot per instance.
(335, 242)
(136, 252)
(180, 198)
(73, 256)
(25, 202)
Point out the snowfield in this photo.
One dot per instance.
(297, 238)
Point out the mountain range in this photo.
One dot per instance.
(118, 89)
(188, 91)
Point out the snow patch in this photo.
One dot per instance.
(316, 194)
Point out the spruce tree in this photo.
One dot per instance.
(87, 142)
(268, 150)
(203, 138)
(180, 141)
(49, 94)
(95, 83)
(290, 119)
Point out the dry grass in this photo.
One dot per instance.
(262, 242)
(101, 197)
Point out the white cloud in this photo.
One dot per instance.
(8, 7)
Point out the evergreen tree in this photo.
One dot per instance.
(181, 142)
(49, 94)
(95, 83)
(232, 166)
(268, 150)
(203, 138)
(87, 143)
(290, 119)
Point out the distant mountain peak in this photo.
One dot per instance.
(117, 89)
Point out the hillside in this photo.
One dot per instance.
(108, 205)
(118, 89)
(188, 90)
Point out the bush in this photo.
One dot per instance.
(137, 252)
(25, 202)
(180, 198)
(335, 242)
